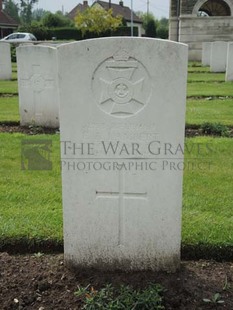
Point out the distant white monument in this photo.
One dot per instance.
(218, 56)
(206, 53)
(122, 115)
(5, 61)
(38, 85)
(229, 69)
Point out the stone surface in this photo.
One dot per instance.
(206, 52)
(229, 69)
(38, 85)
(186, 26)
(218, 56)
(122, 114)
(5, 61)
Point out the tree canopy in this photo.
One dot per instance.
(26, 7)
(97, 20)
(12, 9)
(56, 20)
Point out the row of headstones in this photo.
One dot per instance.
(5, 59)
(122, 120)
(219, 56)
(37, 82)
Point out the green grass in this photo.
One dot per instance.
(31, 205)
(14, 75)
(14, 67)
(210, 89)
(206, 77)
(197, 67)
(8, 87)
(208, 194)
(30, 200)
(124, 297)
(9, 109)
(213, 111)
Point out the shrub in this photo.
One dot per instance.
(65, 33)
(215, 129)
(162, 32)
(120, 299)
(151, 28)
(40, 32)
(13, 53)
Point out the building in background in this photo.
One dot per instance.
(194, 22)
(117, 9)
(7, 23)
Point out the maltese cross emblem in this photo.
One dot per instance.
(121, 85)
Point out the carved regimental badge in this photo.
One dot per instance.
(121, 85)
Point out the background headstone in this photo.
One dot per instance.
(38, 85)
(206, 51)
(229, 70)
(5, 61)
(218, 57)
(122, 115)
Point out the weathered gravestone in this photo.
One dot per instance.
(218, 56)
(229, 70)
(206, 51)
(122, 115)
(38, 85)
(5, 61)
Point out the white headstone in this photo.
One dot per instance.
(206, 51)
(5, 61)
(38, 85)
(218, 56)
(229, 70)
(122, 120)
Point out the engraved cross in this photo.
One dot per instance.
(38, 83)
(122, 197)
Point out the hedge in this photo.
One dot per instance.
(69, 33)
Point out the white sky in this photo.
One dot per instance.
(160, 8)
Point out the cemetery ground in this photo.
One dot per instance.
(32, 271)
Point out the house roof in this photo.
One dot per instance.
(79, 8)
(118, 9)
(6, 20)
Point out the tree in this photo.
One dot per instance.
(26, 7)
(162, 30)
(97, 20)
(56, 20)
(149, 23)
(12, 9)
(38, 14)
(151, 29)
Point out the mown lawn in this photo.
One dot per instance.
(212, 111)
(203, 89)
(206, 77)
(9, 87)
(30, 200)
(9, 108)
(31, 205)
(202, 85)
(208, 194)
